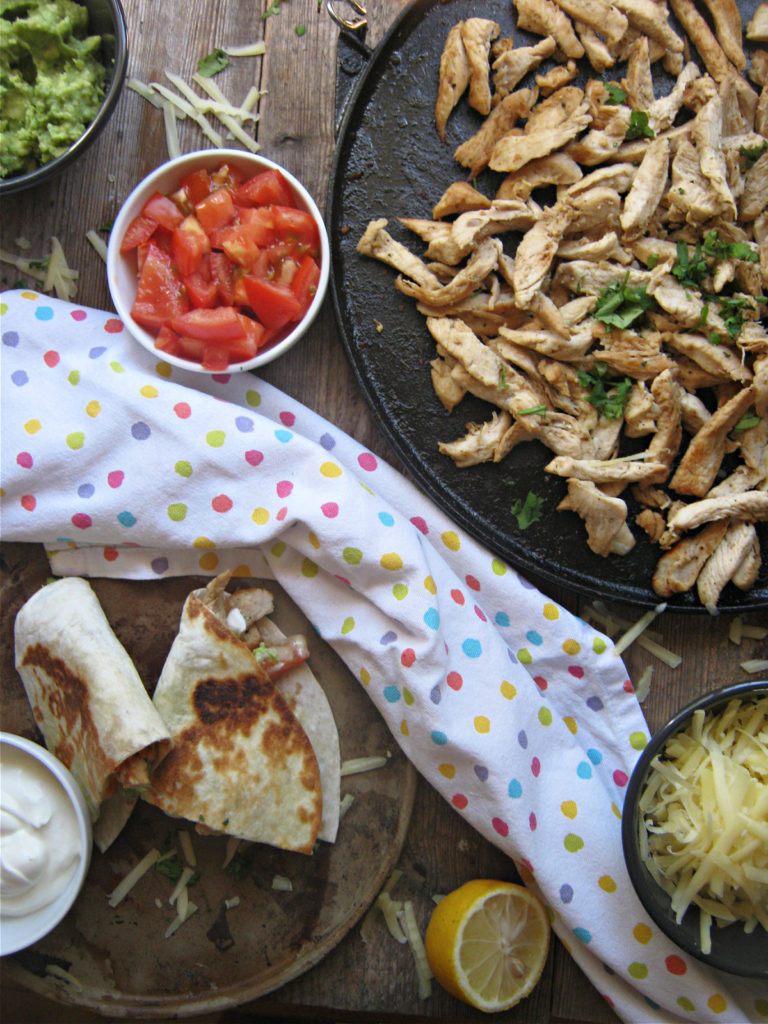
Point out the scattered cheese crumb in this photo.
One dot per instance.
(634, 631)
(185, 841)
(346, 802)
(98, 243)
(282, 884)
(643, 687)
(755, 665)
(416, 943)
(62, 975)
(249, 50)
(178, 921)
(136, 873)
(363, 764)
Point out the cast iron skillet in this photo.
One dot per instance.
(389, 162)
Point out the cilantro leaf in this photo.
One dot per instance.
(615, 93)
(528, 511)
(639, 126)
(748, 420)
(713, 246)
(689, 270)
(608, 396)
(752, 154)
(273, 8)
(300, 30)
(213, 63)
(619, 305)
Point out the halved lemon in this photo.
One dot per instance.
(487, 943)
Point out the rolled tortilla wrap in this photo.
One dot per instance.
(88, 699)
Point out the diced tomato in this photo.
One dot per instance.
(256, 336)
(222, 273)
(216, 210)
(197, 185)
(202, 294)
(215, 358)
(274, 304)
(305, 282)
(267, 187)
(219, 324)
(140, 230)
(190, 244)
(167, 340)
(297, 226)
(160, 294)
(163, 211)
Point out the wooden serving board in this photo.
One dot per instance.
(219, 958)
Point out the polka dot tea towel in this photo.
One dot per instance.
(517, 712)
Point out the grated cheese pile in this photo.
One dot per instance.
(706, 817)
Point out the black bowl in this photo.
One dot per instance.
(106, 19)
(733, 950)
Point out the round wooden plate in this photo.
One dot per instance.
(219, 958)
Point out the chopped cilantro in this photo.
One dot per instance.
(528, 511)
(535, 410)
(748, 420)
(503, 378)
(300, 30)
(652, 260)
(689, 270)
(728, 250)
(732, 311)
(240, 865)
(608, 396)
(615, 93)
(273, 8)
(619, 305)
(170, 867)
(751, 154)
(639, 127)
(214, 62)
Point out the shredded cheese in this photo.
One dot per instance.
(136, 873)
(181, 885)
(233, 844)
(355, 765)
(346, 802)
(282, 884)
(634, 631)
(172, 143)
(643, 687)
(249, 50)
(416, 944)
(98, 243)
(705, 810)
(185, 841)
(390, 910)
(178, 921)
(755, 665)
(63, 975)
(226, 118)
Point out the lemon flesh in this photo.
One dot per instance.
(487, 943)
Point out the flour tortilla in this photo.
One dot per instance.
(241, 762)
(307, 699)
(88, 700)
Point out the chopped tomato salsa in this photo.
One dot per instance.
(226, 265)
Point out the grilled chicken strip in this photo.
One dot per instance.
(678, 568)
(724, 561)
(605, 517)
(702, 458)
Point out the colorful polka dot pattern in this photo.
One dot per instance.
(517, 712)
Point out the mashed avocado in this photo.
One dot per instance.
(51, 80)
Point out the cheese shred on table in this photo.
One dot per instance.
(706, 817)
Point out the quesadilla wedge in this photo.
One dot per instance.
(241, 763)
(245, 611)
(88, 700)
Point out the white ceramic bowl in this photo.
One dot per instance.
(19, 932)
(121, 267)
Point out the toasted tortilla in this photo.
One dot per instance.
(88, 700)
(241, 762)
(307, 699)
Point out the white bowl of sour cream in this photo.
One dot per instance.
(45, 842)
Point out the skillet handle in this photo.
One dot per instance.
(352, 54)
(345, 23)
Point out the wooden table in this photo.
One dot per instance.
(357, 981)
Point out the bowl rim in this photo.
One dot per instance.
(131, 205)
(41, 922)
(641, 879)
(53, 167)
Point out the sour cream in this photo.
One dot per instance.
(39, 836)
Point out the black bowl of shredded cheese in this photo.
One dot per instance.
(695, 829)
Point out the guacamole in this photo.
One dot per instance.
(51, 80)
